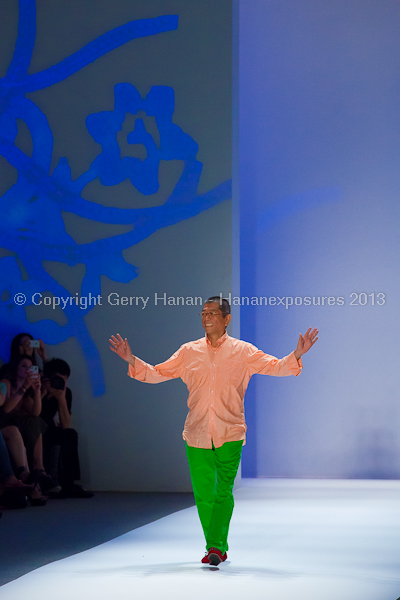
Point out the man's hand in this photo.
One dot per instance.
(45, 386)
(122, 348)
(59, 395)
(305, 342)
(51, 392)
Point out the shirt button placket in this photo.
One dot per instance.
(211, 417)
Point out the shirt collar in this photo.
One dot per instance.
(220, 341)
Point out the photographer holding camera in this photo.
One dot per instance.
(60, 441)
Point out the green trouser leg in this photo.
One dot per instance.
(213, 473)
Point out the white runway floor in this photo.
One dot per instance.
(289, 540)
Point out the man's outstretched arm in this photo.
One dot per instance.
(262, 363)
(142, 371)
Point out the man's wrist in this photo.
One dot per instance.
(297, 354)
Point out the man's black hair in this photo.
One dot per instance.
(56, 365)
(223, 304)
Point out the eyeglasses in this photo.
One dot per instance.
(211, 313)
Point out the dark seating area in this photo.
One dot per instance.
(38, 445)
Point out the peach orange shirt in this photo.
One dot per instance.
(217, 379)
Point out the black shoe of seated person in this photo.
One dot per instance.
(73, 491)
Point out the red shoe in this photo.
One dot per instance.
(214, 557)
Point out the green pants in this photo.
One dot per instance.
(213, 473)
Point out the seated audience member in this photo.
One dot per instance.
(13, 491)
(22, 345)
(56, 412)
(22, 407)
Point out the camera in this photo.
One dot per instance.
(57, 382)
(34, 344)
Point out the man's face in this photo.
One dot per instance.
(212, 319)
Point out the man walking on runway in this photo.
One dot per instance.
(216, 369)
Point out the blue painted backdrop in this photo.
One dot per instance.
(32, 224)
(115, 175)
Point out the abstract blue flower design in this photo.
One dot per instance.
(32, 226)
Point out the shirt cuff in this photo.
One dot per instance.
(295, 365)
(138, 371)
